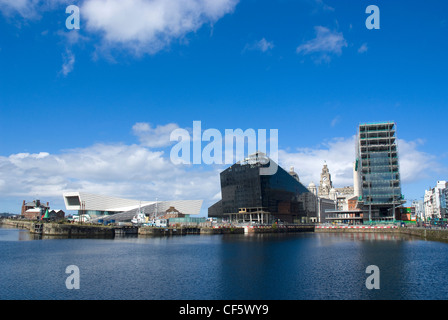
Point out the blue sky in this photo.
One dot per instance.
(70, 100)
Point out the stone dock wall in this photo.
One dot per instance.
(358, 229)
(92, 231)
(18, 224)
(281, 229)
(428, 234)
(169, 231)
(150, 231)
(79, 230)
(62, 230)
(424, 233)
(75, 231)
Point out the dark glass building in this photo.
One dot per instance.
(379, 170)
(248, 196)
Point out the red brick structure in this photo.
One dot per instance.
(172, 212)
(33, 210)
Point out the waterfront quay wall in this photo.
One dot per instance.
(280, 229)
(358, 229)
(88, 230)
(92, 231)
(18, 224)
(428, 234)
(424, 233)
(75, 231)
(63, 230)
(151, 231)
(225, 230)
(169, 231)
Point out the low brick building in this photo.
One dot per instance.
(56, 214)
(172, 212)
(33, 210)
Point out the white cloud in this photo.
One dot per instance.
(68, 62)
(416, 165)
(339, 154)
(149, 26)
(324, 6)
(325, 44)
(139, 26)
(262, 45)
(118, 170)
(28, 9)
(25, 8)
(363, 48)
(335, 121)
(72, 37)
(154, 137)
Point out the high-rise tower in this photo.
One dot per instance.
(379, 170)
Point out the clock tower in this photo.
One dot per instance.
(325, 184)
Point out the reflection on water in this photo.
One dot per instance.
(253, 266)
(372, 236)
(11, 234)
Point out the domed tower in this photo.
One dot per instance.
(294, 174)
(312, 188)
(333, 194)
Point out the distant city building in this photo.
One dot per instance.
(325, 185)
(248, 196)
(339, 205)
(405, 214)
(171, 213)
(294, 174)
(377, 159)
(352, 203)
(419, 209)
(324, 204)
(56, 214)
(435, 201)
(328, 191)
(444, 201)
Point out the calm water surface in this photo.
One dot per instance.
(223, 267)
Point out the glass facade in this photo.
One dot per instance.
(380, 177)
(277, 197)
